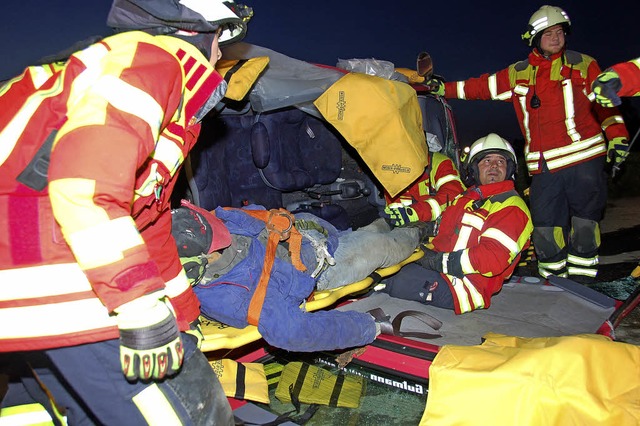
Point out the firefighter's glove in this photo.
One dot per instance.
(605, 88)
(448, 263)
(436, 86)
(399, 216)
(150, 343)
(618, 151)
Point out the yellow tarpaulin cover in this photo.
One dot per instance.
(242, 380)
(572, 380)
(382, 120)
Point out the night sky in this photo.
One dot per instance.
(464, 38)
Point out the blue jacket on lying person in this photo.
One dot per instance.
(226, 292)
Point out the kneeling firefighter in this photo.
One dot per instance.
(480, 239)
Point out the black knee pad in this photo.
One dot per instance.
(548, 241)
(585, 235)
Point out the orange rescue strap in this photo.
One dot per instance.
(280, 224)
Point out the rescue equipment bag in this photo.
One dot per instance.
(315, 385)
(242, 380)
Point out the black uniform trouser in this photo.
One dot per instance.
(566, 206)
(88, 386)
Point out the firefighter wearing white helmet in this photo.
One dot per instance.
(480, 238)
(491, 144)
(568, 141)
(543, 18)
(95, 299)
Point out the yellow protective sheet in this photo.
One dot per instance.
(571, 380)
(382, 120)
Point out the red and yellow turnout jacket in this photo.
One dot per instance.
(118, 119)
(565, 128)
(486, 228)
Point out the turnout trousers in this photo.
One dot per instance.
(88, 387)
(566, 208)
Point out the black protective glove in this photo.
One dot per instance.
(195, 268)
(605, 88)
(448, 263)
(617, 151)
(195, 330)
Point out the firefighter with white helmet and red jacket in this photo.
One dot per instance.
(480, 238)
(565, 147)
(94, 297)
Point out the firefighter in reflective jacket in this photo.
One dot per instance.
(621, 79)
(565, 148)
(428, 196)
(480, 239)
(90, 149)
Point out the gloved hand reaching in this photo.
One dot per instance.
(617, 151)
(399, 216)
(605, 87)
(436, 86)
(150, 343)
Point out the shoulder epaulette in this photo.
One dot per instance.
(503, 196)
(573, 57)
(522, 65)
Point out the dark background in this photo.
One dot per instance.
(464, 38)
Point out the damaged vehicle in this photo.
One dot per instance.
(285, 143)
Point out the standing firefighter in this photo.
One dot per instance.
(565, 147)
(92, 291)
